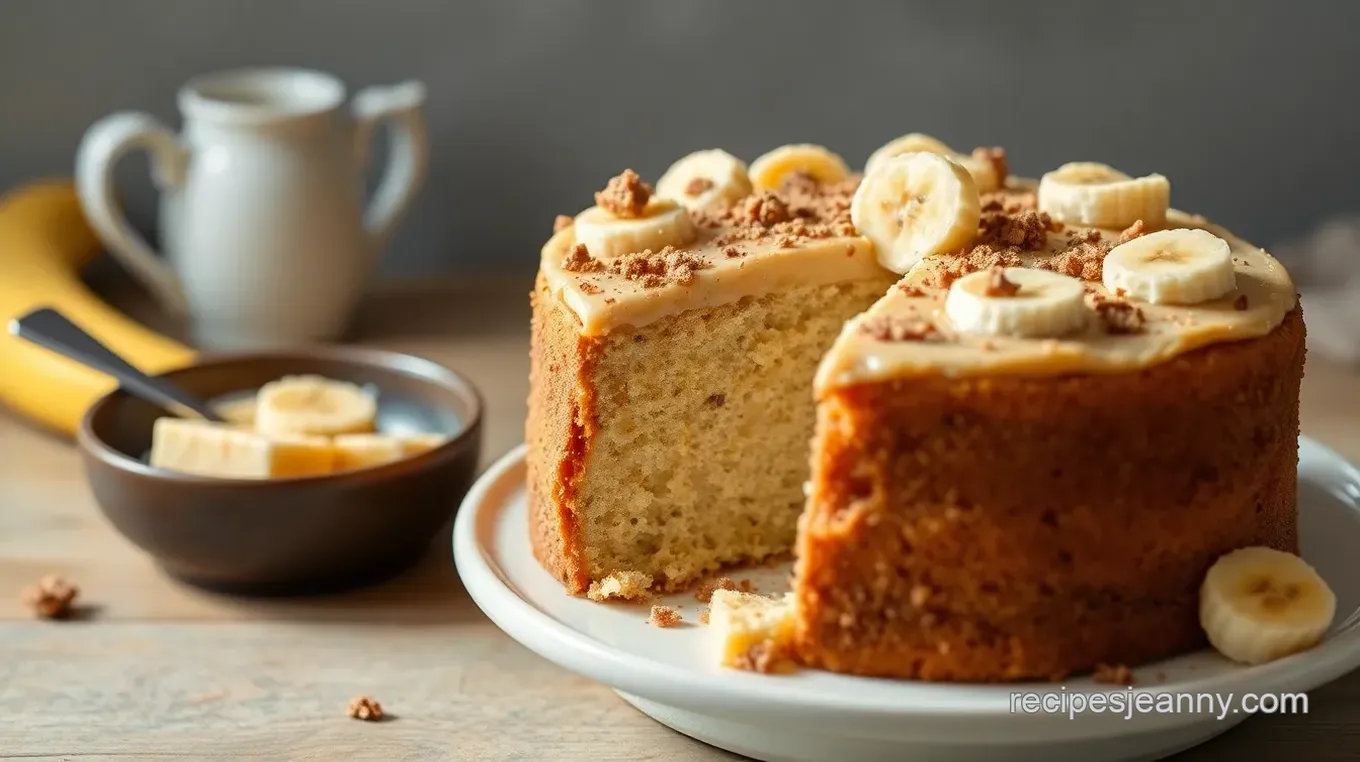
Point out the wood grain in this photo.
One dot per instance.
(163, 671)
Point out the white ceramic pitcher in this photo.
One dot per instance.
(262, 211)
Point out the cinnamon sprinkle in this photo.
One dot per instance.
(664, 617)
(697, 186)
(998, 285)
(892, 328)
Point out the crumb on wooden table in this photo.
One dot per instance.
(366, 709)
(51, 598)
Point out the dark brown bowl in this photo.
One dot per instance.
(289, 536)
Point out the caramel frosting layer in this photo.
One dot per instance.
(766, 243)
(907, 333)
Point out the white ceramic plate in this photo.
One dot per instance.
(812, 716)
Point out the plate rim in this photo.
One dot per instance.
(758, 695)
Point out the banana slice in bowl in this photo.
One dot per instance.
(1097, 195)
(705, 179)
(296, 405)
(914, 205)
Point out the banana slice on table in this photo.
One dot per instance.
(913, 205)
(1258, 604)
(313, 405)
(1017, 301)
(704, 179)
(985, 173)
(1181, 266)
(664, 222)
(1087, 193)
(770, 170)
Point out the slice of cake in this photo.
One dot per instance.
(753, 632)
(1029, 453)
(674, 346)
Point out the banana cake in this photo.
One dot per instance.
(1038, 411)
(1032, 449)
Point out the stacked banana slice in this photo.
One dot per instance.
(1034, 304)
(770, 170)
(1086, 193)
(914, 205)
(705, 179)
(1258, 604)
(985, 173)
(663, 222)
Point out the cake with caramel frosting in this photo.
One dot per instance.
(1042, 410)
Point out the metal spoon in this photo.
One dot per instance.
(50, 329)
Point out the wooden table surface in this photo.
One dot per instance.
(164, 671)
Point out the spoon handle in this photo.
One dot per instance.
(50, 329)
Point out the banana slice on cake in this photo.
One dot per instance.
(1181, 266)
(913, 205)
(313, 405)
(1258, 604)
(770, 170)
(704, 179)
(663, 222)
(985, 173)
(1087, 193)
(1017, 301)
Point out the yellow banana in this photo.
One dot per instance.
(44, 243)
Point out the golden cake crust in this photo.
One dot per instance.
(1007, 528)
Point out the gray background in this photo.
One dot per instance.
(1249, 107)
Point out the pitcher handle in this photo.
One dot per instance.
(400, 106)
(104, 144)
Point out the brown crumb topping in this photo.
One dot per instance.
(1133, 231)
(1083, 260)
(664, 616)
(1118, 674)
(1120, 316)
(910, 290)
(996, 156)
(670, 266)
(732, 252)
(980, 257)
(366, 709)
(766, 209)
(51, 598)
(703, 617)
(578, 260)
(590, 288)
(625, 195)
(900, 328)
(1026, 230)
(698, 185)
(998, 285)
(716, 400)
(1240, 303)
(562, 223)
